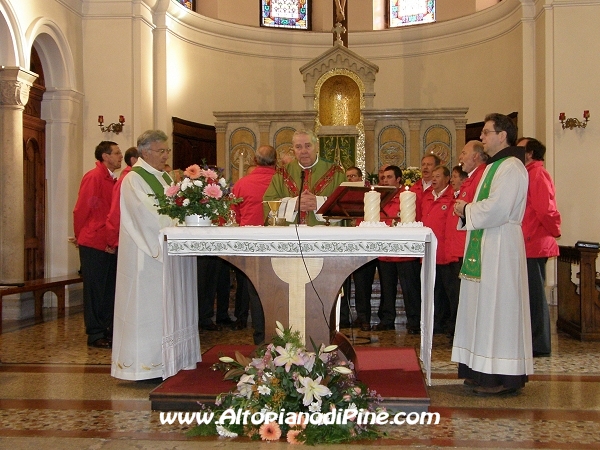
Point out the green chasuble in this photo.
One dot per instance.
(322, 178)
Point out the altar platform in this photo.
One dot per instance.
(393, 372)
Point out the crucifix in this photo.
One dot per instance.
(340, 22)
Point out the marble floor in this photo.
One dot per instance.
(55, 392)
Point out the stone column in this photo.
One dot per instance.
(415, 143)
(222, 152)
(14, 94)
(371, 149)
(461, 126)
(264, 127)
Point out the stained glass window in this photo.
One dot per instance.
(189, 4)
(285, 14)
(411, 12)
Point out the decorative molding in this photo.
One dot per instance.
(15, 84)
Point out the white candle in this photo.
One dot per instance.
(372, 206)
(408, 206)
(241, 168)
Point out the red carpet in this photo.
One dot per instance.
(393, 372)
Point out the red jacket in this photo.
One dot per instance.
(417, 188)
(541, 223)
(455, 239)
(252, 188)
(92, 207)
(113, 220)
(435, 215)
(392, 209)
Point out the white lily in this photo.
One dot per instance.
(312, 389)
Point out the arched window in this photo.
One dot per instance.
(410, 12)
(285, 14)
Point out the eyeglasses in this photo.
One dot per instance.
(352, 176)
(162, 151)
(486, 132)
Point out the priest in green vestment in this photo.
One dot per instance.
(304, 184)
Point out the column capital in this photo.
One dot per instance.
(15, 84)
(414, 124)
(264, 126)
(220, 127)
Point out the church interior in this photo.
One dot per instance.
(75, 72)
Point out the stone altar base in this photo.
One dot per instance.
(393, 372)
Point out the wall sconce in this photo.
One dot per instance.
(571, 122)
(113, 127)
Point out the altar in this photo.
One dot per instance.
(297, 272)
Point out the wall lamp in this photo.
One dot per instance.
(113, 127)
(571, 122)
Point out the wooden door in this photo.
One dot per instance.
(193, 143)
(34, 174)
(34, 179)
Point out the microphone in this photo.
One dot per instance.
(302, 175)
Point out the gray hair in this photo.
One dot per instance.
(148, 137)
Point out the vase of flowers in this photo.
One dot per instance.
(411, 175)
(202, 192)
(299, 390)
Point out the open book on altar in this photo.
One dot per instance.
(347, 201)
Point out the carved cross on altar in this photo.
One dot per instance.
(338, 29)
(340, 21)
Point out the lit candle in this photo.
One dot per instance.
(408, 206)
(586, 114)
(372, 206)
(562, 116)
(121, 119)
(241, 168)
(100, 120)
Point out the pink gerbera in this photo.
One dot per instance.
(172, 190)
(292, 437)
(213, 190)
(270, 431)
(193, 171)
(211, 174)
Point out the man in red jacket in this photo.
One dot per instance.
(472, 159)
(252, 211)
(113, 221)
(98, 259)
(541, 227)
(437, 206)
(428, 163)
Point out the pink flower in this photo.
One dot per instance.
(193, 171)
(212, 190)
(211, 174)
(270, 431)
(292, 437)
(172, 190)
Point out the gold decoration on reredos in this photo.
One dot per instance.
(339, 101)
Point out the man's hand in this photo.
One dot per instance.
(308, 202)
(459, 208)
(110, 249)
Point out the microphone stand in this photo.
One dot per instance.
(300, 194)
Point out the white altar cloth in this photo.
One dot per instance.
(315, 242)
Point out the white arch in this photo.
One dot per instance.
(11, 38)
(55, 53)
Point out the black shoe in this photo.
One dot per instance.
(101, 343)
(238, 325)
(210, 327)
(541, 354)
(226, 322)
(383, 327)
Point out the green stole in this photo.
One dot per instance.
(471, 267)
(152, 181)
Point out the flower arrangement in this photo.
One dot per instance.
(411, 175)
(298, 389)
(202, 191)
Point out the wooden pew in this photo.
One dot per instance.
(39, 287)
(578, 306)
